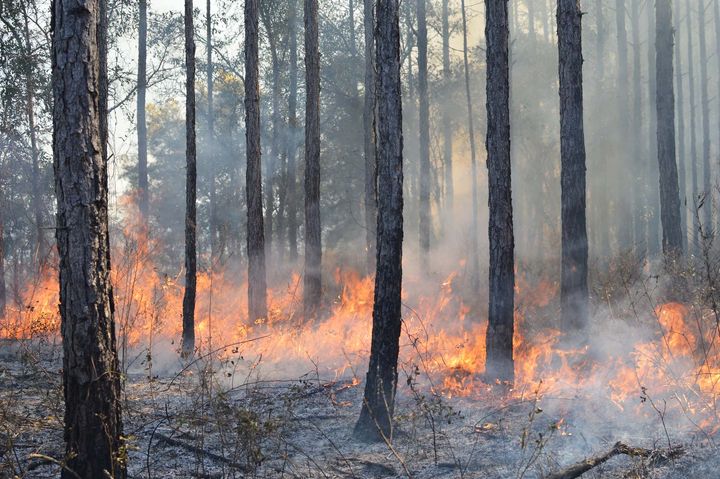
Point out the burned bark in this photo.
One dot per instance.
(375, 422)
(499, 337)
(312, 291)
(142, 181)
(91, 380)
(257, 282)
(665, 100)
(369, 138)
(188, 334)
(424, 124)
(574, 266)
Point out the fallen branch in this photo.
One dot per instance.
(202, 452)
(580, 468)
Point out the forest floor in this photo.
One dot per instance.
(198, 423)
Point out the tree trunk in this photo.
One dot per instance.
(693, 159)
(369, 146)
(91, 380)
(313, 249)
(601, 200)
(665, 100)
(3, 292)
(623, 211)
(638, 167)
(142, 184)
(292, 135)
(573, 284)
(211, 139)
(680, 108)
(653, 241)
(375, 422)
(257, 282)
(716, 15)
(424, 117)
(447, 127)
(474, 254)
(188, 334)
(705, 109)
(499, 337)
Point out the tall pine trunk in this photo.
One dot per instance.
(312, 291)
(142, 180)
(375, 422)
(369, 145)
(574, 265)
(623, 212)
(257, 282)
(679, 112)
(601, 198)
(188, 334)
(653, 241)
(91, 380)
(705, 109)
(447, 127)
(693, 159)
(499, 337)
(424, 123)
(665, 100)
(292, 135)
(212, 149)
(638, 167)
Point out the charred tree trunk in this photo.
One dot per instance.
(312, 291)
(369, 145)
(665, 100)
(693, 159)
(499, 337)
(574, 266)
(375, 422)
(211, 139)
(188, 334)
(638, 167)
(653, 241)
(474, 254)
(624, 212)
(447, 127)
(142, 181)
(705, 109)
(91, 380)
(292, 134)
(257, 282)
(679, 109)
(424, 117)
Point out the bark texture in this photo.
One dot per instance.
(679, 108)
(292, 135)
(665, 100)
(91, 380)
(424, 123)
(375, 422)
(369, 146)
(499, 337)
(312, 291)
(142, 181)
(574, 266)
(257, 282)
(188, 334)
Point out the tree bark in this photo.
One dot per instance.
(142, 185)
(474, 256)
(312, 291)
(424, 117)
(639, 191)
(499, 337)
(211, 138)
(573, 284)
(653, 241)
(680, 109)
(716, 15)
(601, 200)
(91, 380)
(257, 282)
(292, 134)
(375, 422)
(665, 100)
(693, 159)
(447, 127)
(188, 334)
(623, 193)
(705, 109)
(369, 145)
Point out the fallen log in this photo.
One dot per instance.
(202, 452)
(657, 456)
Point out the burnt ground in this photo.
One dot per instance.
(225, 423)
